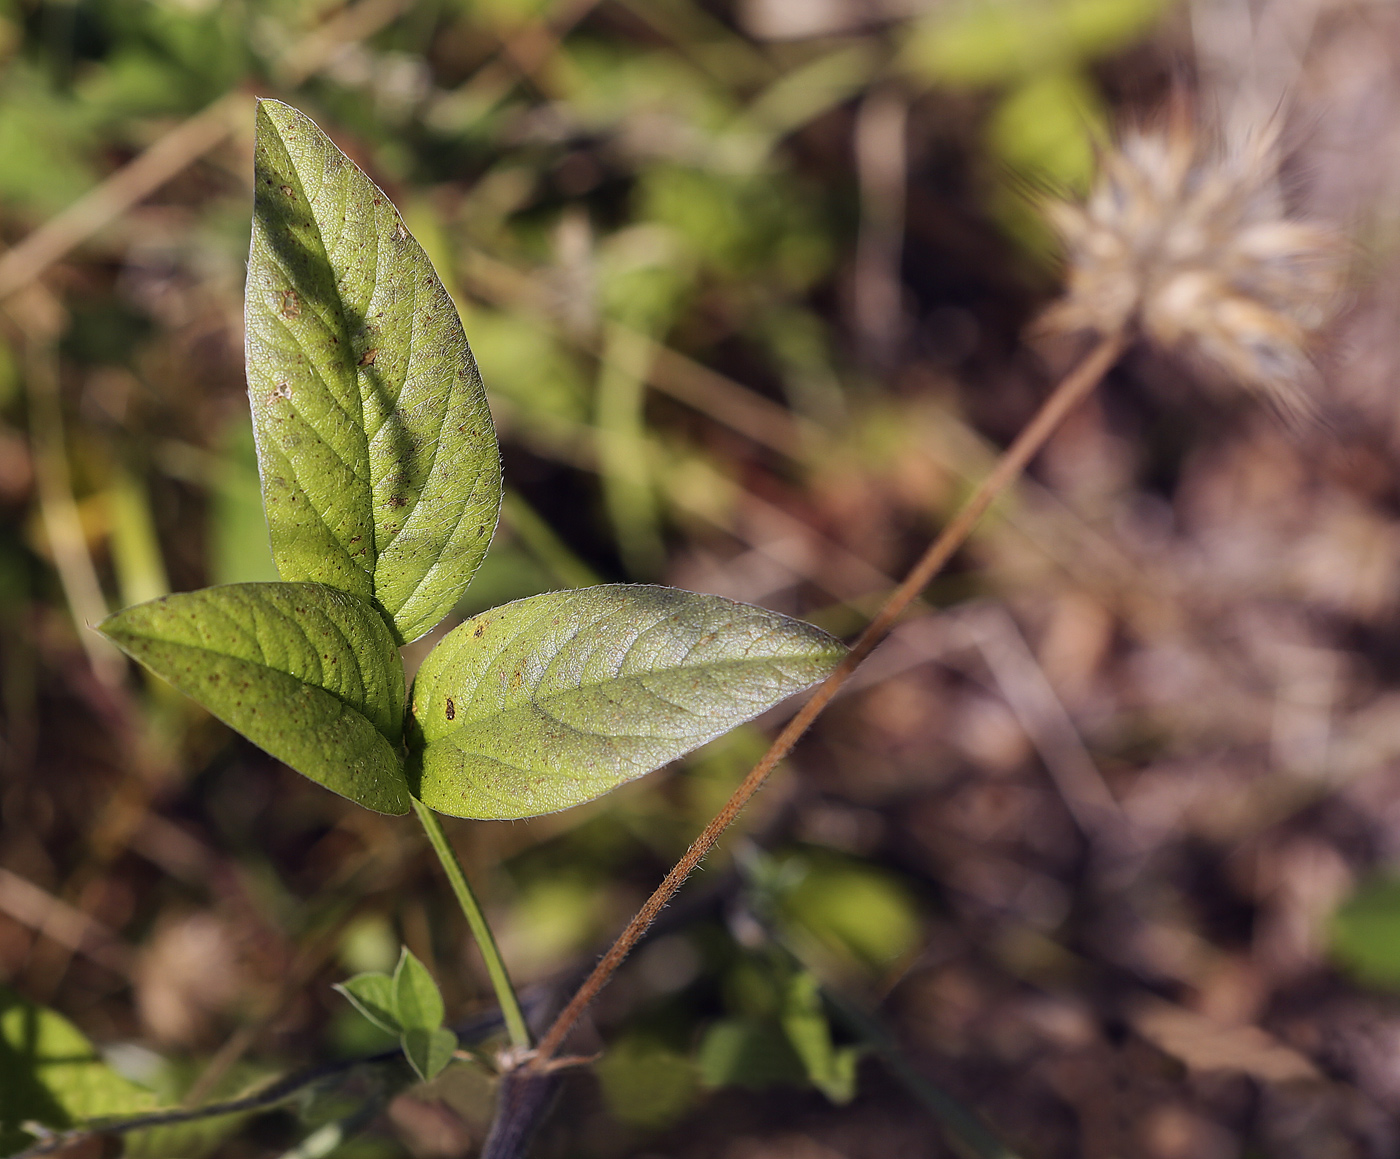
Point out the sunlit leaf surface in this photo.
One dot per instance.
(554, 700)
(309, 673)
(379, 465)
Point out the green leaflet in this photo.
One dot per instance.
(553, 700)
(373, 996)
(309, 673)
(428, 1049)
(409, 1005)
(417, 1002)
(379, 465)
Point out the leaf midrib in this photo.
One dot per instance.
(541, 702)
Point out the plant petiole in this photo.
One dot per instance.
(471, 908)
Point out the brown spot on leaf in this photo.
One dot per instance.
(368, 357)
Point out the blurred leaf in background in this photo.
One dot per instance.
(646, 1083)
(1364, 933)
(50, 1074)
(749, 1053)
(239, 551)
(860, 915)
(45, 143)
(1049, 115)
(831, 1069)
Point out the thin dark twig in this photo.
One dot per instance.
(1072, 390)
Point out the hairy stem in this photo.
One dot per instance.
(495, 966)
(1072, 390)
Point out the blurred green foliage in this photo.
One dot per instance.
(748, 1052)
(51, 1074)
(860, 914)
(239, 551)
(778, 1033)
(1049, 115)
(993, 42)
(1364, 933)
(646, 1083)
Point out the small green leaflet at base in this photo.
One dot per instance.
(380, 471)
(417, 1003)
(373, 996)
(306, 672)
(409, 1005)
(551, 701)
(428, 1050)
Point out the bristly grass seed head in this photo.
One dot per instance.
(1188, 246)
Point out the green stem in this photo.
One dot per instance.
(495, 966)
